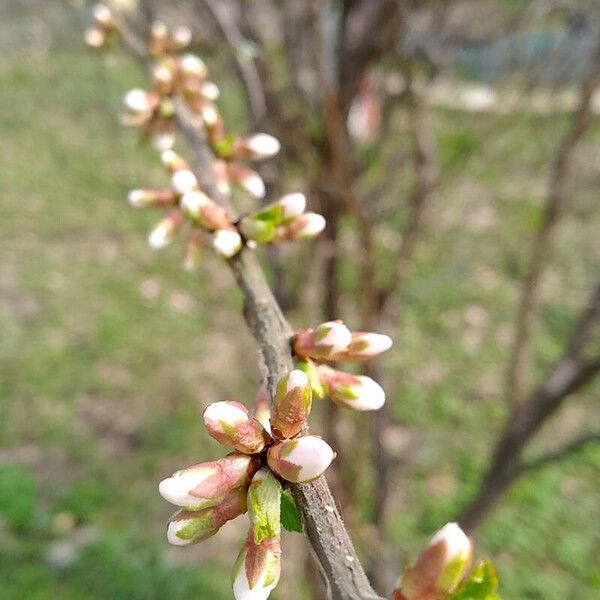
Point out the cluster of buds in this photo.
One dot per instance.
(249, 479)
(187, 204)
(284, 220)
(104, 31)
(333, 342)
(440, 568)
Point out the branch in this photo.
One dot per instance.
(556, 198)
(325, 529)
(569, 449)
(245, 63)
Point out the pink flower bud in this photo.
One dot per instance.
(230, 424)
(301, 459)
(325, 341)
(166, 230)
(257, 146)
(206, 484)
(227, 242)
(183, 181)
(292, 405)
(262, 410)
(206, 212)
(247, 179)
(257, 569)
(353, 391)
(292, 205)
(440, 567)
(187, 527)
(140, 101)
(192, 65)
(365, 345)
(173, 162)
(151, 198)
(305, 226)
(95, 37)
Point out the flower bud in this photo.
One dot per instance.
(262, 411)
(187, 527)
(358, 392)
(230, 424)
(102, 15)
(183, 181)
(138, 100)
(227, 242)
(247, 179)
(256, 147)
(199, 207)
(173, 162)
(151, 198)
(206, 484)
(182, 36)
(163, 141)
(210, 91)
(95, 37)
(292, 405)
(264, 506)
(292, 205)
(166, 230)
(440, 567)
(305, 226)
(257, 569)
(193, 252)
(366, 345)
(325, 341)
(192, 65)
(301, 459)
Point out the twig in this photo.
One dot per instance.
(530, 292)
(569, 449)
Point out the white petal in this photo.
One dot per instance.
(183, 181)
(173, 528)
(293, 205)
(371, 395)
(296, 378)
(263, 145)
(313, 455)
(457, 543)
(227, 242)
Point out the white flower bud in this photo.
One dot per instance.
(301, 459)
(137, 101)
(192, 65)
(258, 146)
(182, 36)
(308, 225)
(183, 181)
(95, 37)
(333, 336)
(227, 242)
(164, 233)
(163, 141)
(293, 205)
(210, 91)
(102, 14)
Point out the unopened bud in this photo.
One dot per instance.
(358, 392)
(182, 36)
(247, 179)
(305, 226)
(183, 181)
(140, 101)
(95, 37)
(257, 146)
(325, 341)
(227, 242)
(193, 253)
(264, 505)
(173, 162)
(188, 527)
(230, 424)
(301, 459)
(204, 485)
(152, 198)
(292, 205)
(366, 345)
(257, 569)
(163, 141)
(164, 233)
(440, 567)
(210, 91)
(192, 65)
(205, 211)
(292, 405)
(102, 15)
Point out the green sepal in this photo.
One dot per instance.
(264, 507)
(223, 148)
(482, 584)
(318, 389)
(290, 515)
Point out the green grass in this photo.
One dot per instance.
(109, 351)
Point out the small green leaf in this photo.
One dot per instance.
(290, 515)
(224, 148)
(264, 506)
(482, 584)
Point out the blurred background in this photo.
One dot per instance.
(459, 171)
